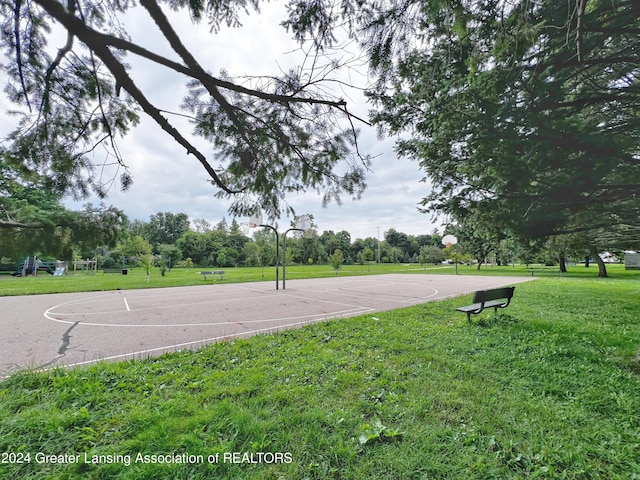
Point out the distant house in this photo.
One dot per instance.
(631, 260)
(608, 257)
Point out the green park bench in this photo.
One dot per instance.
(213, 272)
(495, 298)
(122, 271)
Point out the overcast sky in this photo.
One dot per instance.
(166, 179)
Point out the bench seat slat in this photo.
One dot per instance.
(478, 307)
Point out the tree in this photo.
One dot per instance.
(147, 262)
(522, 114)
(170, 255)
(34, 220)
(166, 227)
(201, 225)
(271, 135)
(336, 260)
(251, 254)
(135, 248)
(330, 242)
(430, 254)
(524, 117)
(343, 240)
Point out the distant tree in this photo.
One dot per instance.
(33, 220)
(194, 245)
(423, 256)
(167, 227)
(135, 248)
(170, 255)
(200, 225)
(222, 225)
(147, 262)
(336, 260)
(431, 254)
(330, 241)
(251, 254)
(368, 254)
(395, 255)
(310, 247)
(343, 239)
(188, 263)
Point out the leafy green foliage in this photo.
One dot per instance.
(377, 432)
(34, 221)
(522, 115)
(336, 260)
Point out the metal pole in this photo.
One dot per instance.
(284, 255)
(277, 253)
(284, 259)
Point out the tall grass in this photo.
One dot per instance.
(550, 388)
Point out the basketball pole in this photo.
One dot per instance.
(277, 253)
(284, 255)
(302, 221)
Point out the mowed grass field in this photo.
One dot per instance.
(548, 388)
(137, 278)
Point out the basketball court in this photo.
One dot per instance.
(45, 331)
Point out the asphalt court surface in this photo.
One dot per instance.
(44, 331)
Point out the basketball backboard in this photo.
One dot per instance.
(449, 240)
(303, 222)
(256, 218)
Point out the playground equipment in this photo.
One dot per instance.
(86, 266)
(31, 266)
(61, 269)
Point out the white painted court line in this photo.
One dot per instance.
(51, 311)
(51, 314)
(320, 316)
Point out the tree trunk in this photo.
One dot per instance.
(563, 263)
(602, 268)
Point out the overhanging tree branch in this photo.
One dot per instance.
(79, 29)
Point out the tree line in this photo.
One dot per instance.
(173, 240)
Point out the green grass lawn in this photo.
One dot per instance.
(137, 278)
(550, 388)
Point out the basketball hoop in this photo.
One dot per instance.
(448, 245)
(246, 228)
(449, 240)
(256, 218)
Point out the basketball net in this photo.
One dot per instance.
(448, 245)
(246, 227)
